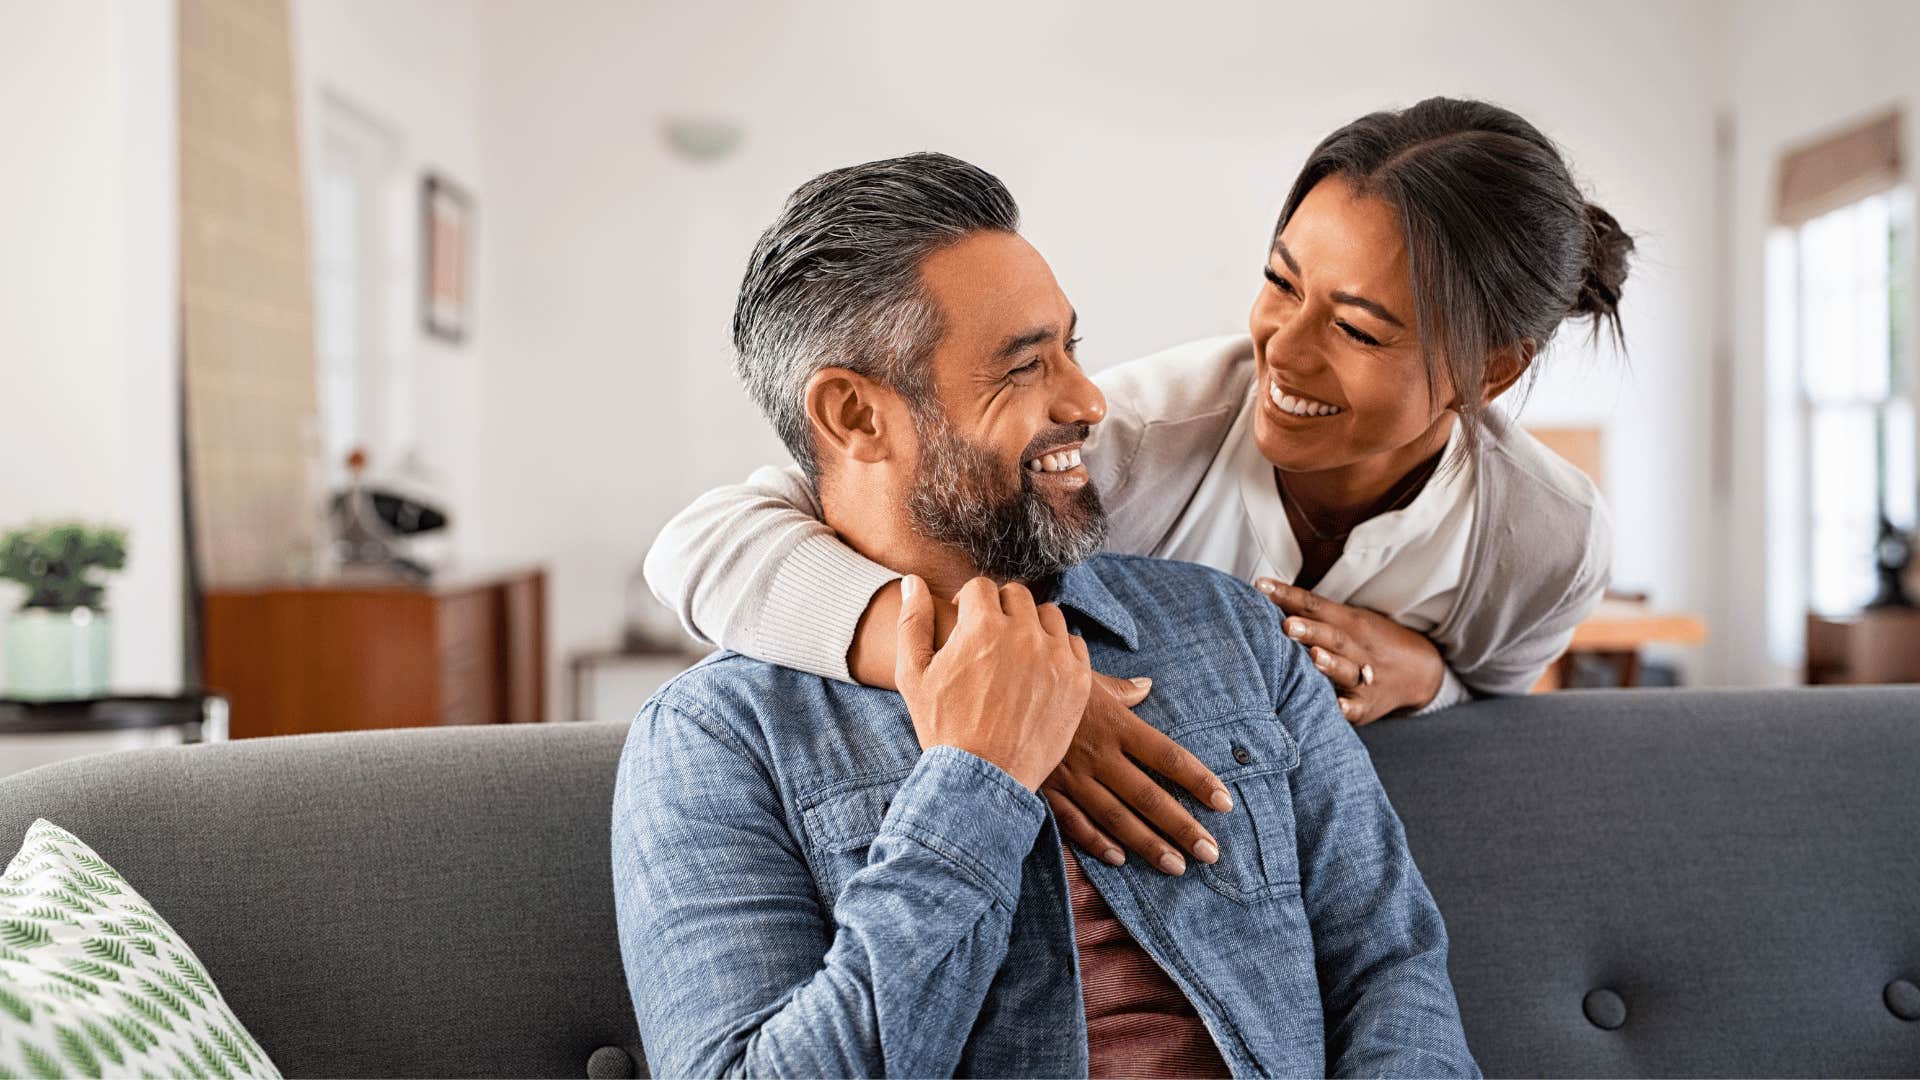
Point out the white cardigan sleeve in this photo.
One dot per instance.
(752, 568)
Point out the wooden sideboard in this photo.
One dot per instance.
(300, 658)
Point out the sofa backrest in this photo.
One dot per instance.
(1636, 883)
(1662, 883)
(422, 902)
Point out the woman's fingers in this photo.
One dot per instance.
(1311, 633)
(1079, 829)
(1344, 672)
(1151, 747)
(1360, 709)
(1118, 820)
(1294, 600)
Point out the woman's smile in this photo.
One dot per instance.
(1298, 406)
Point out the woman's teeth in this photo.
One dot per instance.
(1299, 406)
(1061, 462)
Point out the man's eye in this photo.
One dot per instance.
(1072, 345)
(1358, 335)
(1279, 282)
(1027, 368)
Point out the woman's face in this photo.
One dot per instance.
(1341, 375)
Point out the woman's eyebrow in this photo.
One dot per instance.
(1365, 304)
(1378, 310)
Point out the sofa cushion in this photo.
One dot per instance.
(93, 981)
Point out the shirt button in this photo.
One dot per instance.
(1242, 755)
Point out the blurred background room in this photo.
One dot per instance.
(366, 344)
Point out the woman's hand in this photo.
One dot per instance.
(1105, 800)
(1376, 665)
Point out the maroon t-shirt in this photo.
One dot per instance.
(1138, 1021)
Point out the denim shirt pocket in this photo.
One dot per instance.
(841, 821)
(1251, 752)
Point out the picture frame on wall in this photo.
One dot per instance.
(446, 278)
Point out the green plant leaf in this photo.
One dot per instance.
(74, 1046)
(209, 1058)
(246, 1041)
(109, 950)
(179, 986)
(15, 1005)
(71, 901)
(24, 934)
(193, 972)
(229, 1047)
(148, 1011)
(138, 1035)
(89, 969)
(76, 982)
(97, 865)
(92, 883)
(108, 1046)
(144, 945)
(40, 1064)
(165, 997)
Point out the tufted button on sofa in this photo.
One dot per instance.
(1637, 883)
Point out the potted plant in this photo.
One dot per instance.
(59, 642)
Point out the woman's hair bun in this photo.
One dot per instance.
(1608, 247)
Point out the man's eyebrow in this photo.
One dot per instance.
(1378, 310)
(1039, 335)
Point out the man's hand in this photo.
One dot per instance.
(1008, 686)
(1376, 665)
(1104, 797)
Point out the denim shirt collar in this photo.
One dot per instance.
(1082, 593)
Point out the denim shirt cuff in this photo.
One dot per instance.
(969, 811)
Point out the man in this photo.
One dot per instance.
(818, 878)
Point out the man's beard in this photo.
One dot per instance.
(961, 499)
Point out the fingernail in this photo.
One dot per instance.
(909, 587)
(1296, 628)
(1141, 681)
(1264, 585)
(1319, 658)
(1221, 801)
(1113, 856)
(1173, 864)
(1206, 852)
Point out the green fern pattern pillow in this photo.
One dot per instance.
(93, 982)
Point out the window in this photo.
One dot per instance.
(1852, 286)
(360, 268)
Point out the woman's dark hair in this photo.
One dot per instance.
(1502, 245)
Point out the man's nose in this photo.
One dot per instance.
(1078, 400)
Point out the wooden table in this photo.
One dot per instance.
(1617, 630)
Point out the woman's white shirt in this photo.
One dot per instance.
(1405, 564)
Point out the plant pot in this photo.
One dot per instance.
(57, 654)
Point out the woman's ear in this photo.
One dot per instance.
(848, 414)
(1505, 367)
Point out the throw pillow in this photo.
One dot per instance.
(94, 982)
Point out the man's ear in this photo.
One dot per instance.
(849, 415)
(1505, 367)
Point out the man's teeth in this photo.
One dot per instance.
(1299, 406)
(1061, 462)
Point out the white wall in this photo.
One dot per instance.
(88, 302)
(410, 67)
(1150, 152)
(1797, 71)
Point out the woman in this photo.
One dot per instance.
(1343, 457)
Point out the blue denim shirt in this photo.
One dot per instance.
(802, 891)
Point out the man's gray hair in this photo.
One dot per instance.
(835, 282)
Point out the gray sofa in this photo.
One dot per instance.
(1636, 883)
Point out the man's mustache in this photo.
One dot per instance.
(1055, 437)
